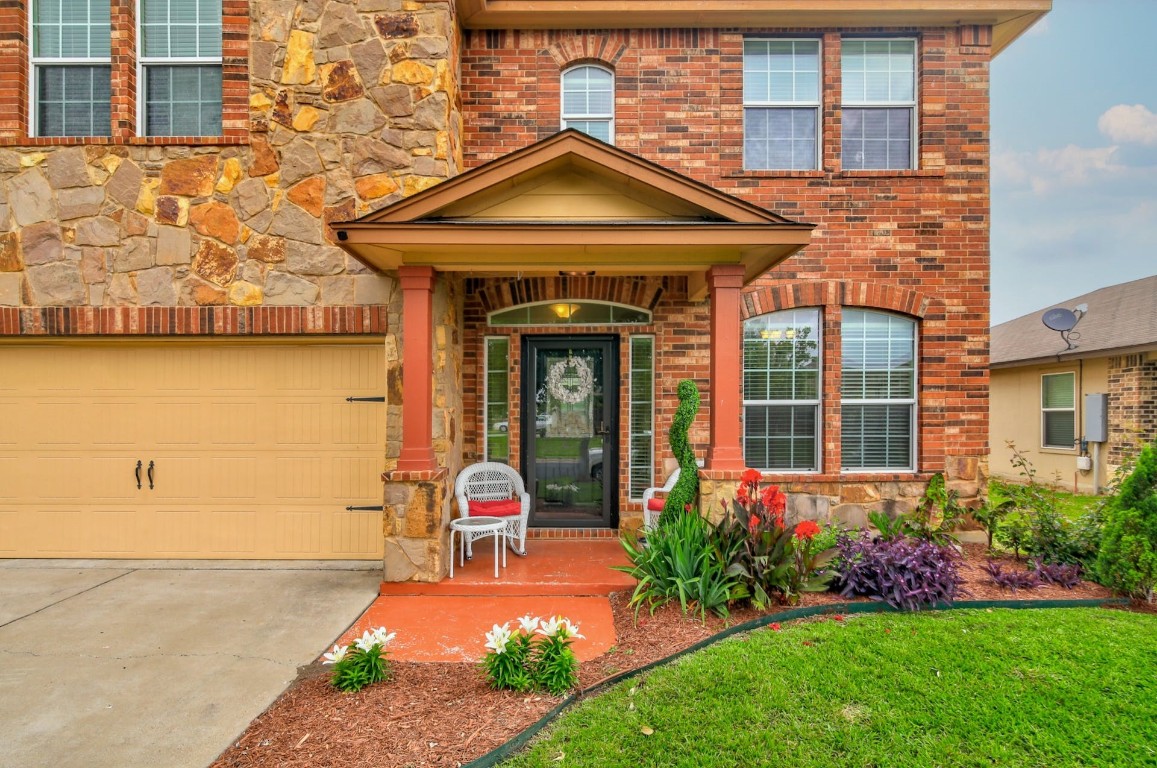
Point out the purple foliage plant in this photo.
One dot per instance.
(905, 573)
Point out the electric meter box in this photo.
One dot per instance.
(1097, 418)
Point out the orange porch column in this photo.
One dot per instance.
(726, 451)
(417, 368)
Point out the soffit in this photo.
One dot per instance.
(1009, 18)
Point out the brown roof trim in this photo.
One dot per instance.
(573, 145)
(1009, 18)
(1074, 355)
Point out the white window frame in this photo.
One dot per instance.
(631, 405)
(36, 62)
(913, 106)
(913, 402)
(144, 63)
(817, 403)
(586, 117)
(486, 396)
(817, 105)
(1073, 410)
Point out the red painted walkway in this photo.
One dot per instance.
(447, 621)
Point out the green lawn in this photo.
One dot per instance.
(1062, 687)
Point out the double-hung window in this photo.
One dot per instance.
(781, 104)
(781, 390)
(1058, 402)
(588, 101)
(878, 409)
(180, 59)
(71, 68)
(879, 104)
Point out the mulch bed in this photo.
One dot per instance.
(431, 715)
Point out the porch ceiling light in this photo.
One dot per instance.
(576, 273)
(565, 311)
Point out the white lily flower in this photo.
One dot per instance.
(497, 638)
(337, 655)
(366, 641)
(550, 628)
(529, 623)
(570, 629)
(382, 638)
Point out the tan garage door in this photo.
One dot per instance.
(255, 452)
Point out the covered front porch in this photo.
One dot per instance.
(550, 302)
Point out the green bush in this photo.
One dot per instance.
(1127, 561)
(685, 494)
(680, 561)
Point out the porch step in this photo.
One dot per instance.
(552, 567)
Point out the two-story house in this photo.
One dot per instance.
(506, 229)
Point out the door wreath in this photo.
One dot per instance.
(571, 380)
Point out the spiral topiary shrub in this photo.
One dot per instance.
(1127, 561)
(686, 490)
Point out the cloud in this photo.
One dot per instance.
(1049, 169)
(1129, 124)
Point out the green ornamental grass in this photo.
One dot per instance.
(1042, 688)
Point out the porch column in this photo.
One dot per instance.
(417, 369)
(726, 451)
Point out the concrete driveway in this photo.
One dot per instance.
(143, 664)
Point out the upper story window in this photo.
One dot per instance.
(879, 104)
(781, 104)
(781, 390)
(71, 68)
(588, 101)
(878, 409)
(180, 61)
(1058, 401)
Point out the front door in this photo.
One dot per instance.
(570, 415)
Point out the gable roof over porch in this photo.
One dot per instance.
(572, 203)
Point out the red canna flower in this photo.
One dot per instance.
(751, 477)
(806, 530)
(742, 496)
(753, 523)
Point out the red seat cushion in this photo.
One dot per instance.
(655, 505)
(496, 508)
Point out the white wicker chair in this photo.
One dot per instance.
(493, 481)
(651, 516)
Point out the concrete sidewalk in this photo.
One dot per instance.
(111, 665)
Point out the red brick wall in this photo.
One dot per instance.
(913, 241)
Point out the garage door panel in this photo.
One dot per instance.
(298, 424)
(352, 531)
(298, 532)
(256, 451)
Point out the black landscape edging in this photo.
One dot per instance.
(503, 751)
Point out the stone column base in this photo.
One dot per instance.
(415, 525)
(717, 489)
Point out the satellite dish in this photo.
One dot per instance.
(1060, 319)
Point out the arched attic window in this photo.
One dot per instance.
(588, 101)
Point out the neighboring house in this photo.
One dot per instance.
(1039, 387)
(222, 221)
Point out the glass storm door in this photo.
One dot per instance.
(570, 398)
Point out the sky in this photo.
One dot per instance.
(1074, 155)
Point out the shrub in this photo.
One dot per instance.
(905, 573)
(887, 528)
(682, 560)
(990, 514)
(362, 663)
(685, 494)
(774, 562)
(1127, 561)
(1013, 578)
(936, 515)
(536, 655)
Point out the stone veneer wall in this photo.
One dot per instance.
(351, 106)
(1132, 405)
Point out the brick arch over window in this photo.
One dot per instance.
(820, 292)
(644, 292)
(588, 49)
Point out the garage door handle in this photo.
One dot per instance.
(150, 475)
(139, 474)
